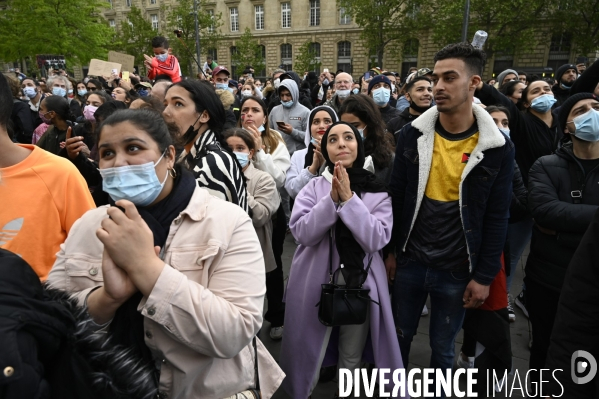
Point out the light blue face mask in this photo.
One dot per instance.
(314, 142)
(505, 131)
(543, 103)
(287, 104)
(381, 96)
(361, 131)
(136, 183)
(243, 158)
(82, 92)
(59, 91)
(261, 128)
(356, 91)
(222, 86)
(587, 126)
(162, 57)
(30, 92)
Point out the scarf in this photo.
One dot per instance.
(351, 254)
(127, 327)
(310, 153)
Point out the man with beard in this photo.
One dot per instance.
(564, 78)
(419, 92)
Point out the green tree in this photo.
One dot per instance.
(510, 24)
(581, 20)
(386, 22)
(249, 52)
(135, 35)
(181, 17)
(306, 58)
(73, 28)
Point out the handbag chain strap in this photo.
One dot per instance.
(331, 260)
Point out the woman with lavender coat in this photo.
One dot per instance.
(364, 211)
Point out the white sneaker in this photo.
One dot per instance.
(276, 333)
(463, 364)
(424, 311)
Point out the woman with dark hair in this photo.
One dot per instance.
(55, 111)
(362, 112)
(94, 85)
(81, 91)
(140, 269)
(513, 90)
(120, 94)
(199, 116)
(342, 220)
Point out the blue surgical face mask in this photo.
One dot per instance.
(287, 104)
(136, 183)
(30, 92)
(82, 92)
(162, 57)
(381, 96)
(361, 131)
(587, 126)
(142, 93)
(243, 158)
(314, 142)
(505, 131)
(356, 91)
(59, 91)
(543, 103)
(261, 128)
(222, 86)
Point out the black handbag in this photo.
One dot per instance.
(339, 305)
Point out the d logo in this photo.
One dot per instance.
(580, 363)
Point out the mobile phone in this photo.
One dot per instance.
(280, 123)
(126, 76)
(326, 70)
(114, 70)
(366, 75)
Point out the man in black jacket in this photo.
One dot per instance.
(419, 92)
(451, 188)
(563, 196)
(564, 79)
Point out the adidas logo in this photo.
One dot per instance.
(10, 230)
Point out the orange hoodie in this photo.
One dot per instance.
(169, 67)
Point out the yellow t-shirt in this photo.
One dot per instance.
(41, 197)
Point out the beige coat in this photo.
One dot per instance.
(206, 305)
(264, 200)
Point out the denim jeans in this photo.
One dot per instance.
(518, 235)
(414, 282)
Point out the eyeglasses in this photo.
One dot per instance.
(92, 88)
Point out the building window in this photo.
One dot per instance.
(211, 27)
(559, 50)
(262, 72)
(128, 3)
(112, 23)
(212, 52)
(154, 19)
(344, 62)
(109, 2)
(286, 15)
(315, 51)
(409, 56)
(314, 12)
(286, 56)
(234, 13)
(344, 17)
(233, 52)
(152, 1)
(259, 17)
(504, 59)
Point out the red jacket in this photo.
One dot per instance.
(169, 67)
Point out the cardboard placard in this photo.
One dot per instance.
(102, 68)
(127, 61)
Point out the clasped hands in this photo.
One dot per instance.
(340, 188)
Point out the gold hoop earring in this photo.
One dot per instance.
(172, 173)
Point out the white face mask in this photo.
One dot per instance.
(277, 83)
(246, 93)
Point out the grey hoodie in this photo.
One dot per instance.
(297, 116)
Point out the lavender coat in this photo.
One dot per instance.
(370, 219)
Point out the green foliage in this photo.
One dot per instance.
(580, 18)
(74, 28)
(305, 59)
(134, 36)
(180, 16)
(249, 52)
(387, 22)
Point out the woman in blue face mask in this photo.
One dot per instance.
(142, 267)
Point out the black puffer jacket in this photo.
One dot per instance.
(561, 95)
(559, 222)
(48, 348)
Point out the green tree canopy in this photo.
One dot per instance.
(180, 16)
(581, 20)
(249, 52)
(306, 58)
(135, 36)
(74, 28)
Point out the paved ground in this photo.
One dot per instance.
(420, 351)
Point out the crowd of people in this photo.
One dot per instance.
(152, 212)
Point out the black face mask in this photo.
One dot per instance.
(418, 108)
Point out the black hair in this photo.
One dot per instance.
(6, 102)
(151, 103)
(35, 81)
(489, 81)
(524, 97)
(510, 87)
(242, 134)
(498, 108)
(95, 82)
(473, 58)
(412, 82)
(376, 143)
(147, 120)
(107, 109)
(163, 77)
(129, 96)
(160, 41)
(522, 73)
(205, 99)
(102, 94)
(60, 106)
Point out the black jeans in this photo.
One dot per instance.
(541, 303)
(275, 286)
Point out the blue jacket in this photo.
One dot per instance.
(485, 189)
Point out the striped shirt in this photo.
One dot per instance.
(215, 170)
